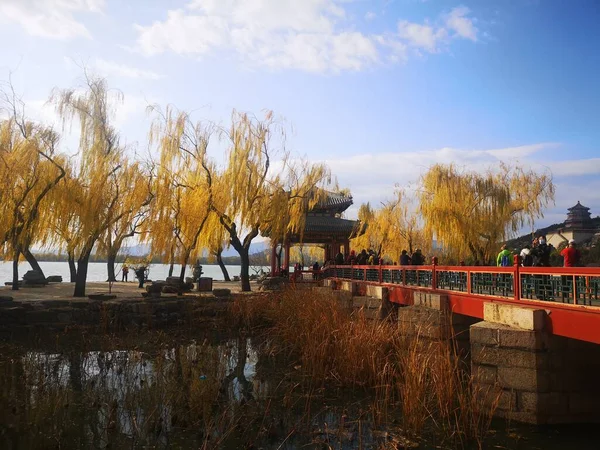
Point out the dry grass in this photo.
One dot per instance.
(424, 378)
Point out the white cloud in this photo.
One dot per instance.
(372, 177)
(111, 68)
(309, 35)
(422, 36)
(431, 37)
(53, 19)
(463, 26)
(370, 15)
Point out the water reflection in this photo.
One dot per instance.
(230, 395)
(123, 397)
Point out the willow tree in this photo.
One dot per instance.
(391, 228)
(63, 218)
(100, 201)
(215, 242)
(135, 185)
(252, 193)
(181, 207)
(470, 213)
(30, 168)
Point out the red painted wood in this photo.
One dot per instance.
(568, 320)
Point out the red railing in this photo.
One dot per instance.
(576, 286)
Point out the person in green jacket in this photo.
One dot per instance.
(505, 257)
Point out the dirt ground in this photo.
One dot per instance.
(64, 291)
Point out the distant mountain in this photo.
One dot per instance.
(144, 249)
(136, 250)
(522, 241)
(255, 247)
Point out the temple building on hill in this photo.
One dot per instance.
(578, 226)
(324, 226)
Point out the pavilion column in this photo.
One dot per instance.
(347, 249)
(286, 259)
(273, 259)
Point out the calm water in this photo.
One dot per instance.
(157, 390)
(98, 272)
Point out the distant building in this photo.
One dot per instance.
(578, 226)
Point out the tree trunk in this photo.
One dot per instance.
(80, 279)
(171, 267)
(278, 258)
(110, 266)
(72, 267)
(245, 269)
(15, 280)
(33, 262)
(222, 266)
(183, 265)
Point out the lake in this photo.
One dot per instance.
(97, 271)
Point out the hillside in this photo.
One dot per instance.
(522, 241)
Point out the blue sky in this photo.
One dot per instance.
(378, 89)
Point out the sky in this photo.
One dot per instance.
(378, 89)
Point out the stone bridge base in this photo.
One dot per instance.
(517, 365)
(533, 376)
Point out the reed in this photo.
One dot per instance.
(425, 379)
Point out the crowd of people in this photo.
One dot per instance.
(537, 254)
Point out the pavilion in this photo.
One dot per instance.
(323, 226)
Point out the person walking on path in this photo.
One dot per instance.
(571, 255)
(404, 258)
(504, 258)
(140, 273)
(417, 258)
(125, 272)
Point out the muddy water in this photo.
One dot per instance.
(158, 390)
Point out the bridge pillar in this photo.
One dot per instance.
(531, 375)
(430, 318)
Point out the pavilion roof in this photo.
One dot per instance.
(333, 202)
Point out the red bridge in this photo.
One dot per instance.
(571, 296)
(530, 333)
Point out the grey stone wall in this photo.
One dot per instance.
(113, 315)
(537, 378)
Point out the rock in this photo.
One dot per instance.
(5, 299)
(34, 277)
(221, 292)
(170, 289)
(274, 284)
(54, 279)
(181, 287)
(156, 287)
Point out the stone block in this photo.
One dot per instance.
(489, 356)
(522, 379)
(367, 302)
(349, 286)
(221, 293)
(485, 333)
(525, 339)
(370, 314)
(329, 283)
(432, 301)
(379, 292)
(484, 375)
(515, 316)
(549, 403)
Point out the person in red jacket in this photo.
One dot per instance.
(570, 255)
